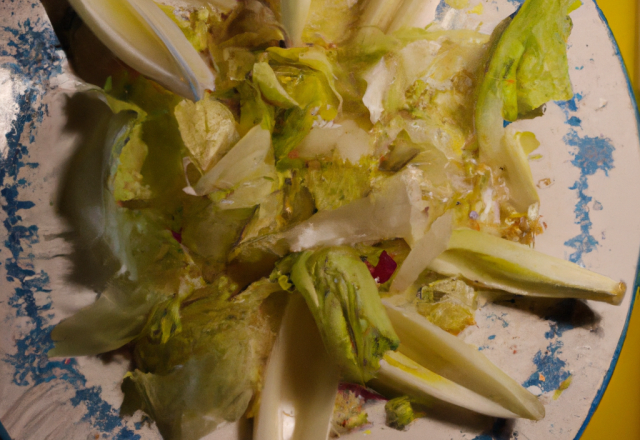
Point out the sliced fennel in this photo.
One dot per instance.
(449, 356)
(399, 375)
(300, 383)
(502, 264)
(140, 34)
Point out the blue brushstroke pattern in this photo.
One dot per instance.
(592, 154)
(441, 10)
(550, 372)
(500, 318)
(571, 105)
(31, 46)
(574, 121)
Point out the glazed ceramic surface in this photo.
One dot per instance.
(587, 170)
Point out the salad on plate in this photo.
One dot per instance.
(305, 202)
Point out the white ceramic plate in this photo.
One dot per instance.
(589, 184)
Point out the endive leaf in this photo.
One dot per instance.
(399, 375)
(423, 252)
(445, 354)
(300, 382)
(414, 13)
(379, 13)
(294, 15)
(142, 36)
(502, 264)
(247, 166)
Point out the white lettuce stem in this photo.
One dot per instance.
(414, 13)
(294, 15)
(379, 13)
(301, 381)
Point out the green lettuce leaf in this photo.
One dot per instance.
(211, 232)
(267, 82)
(211, 370)
(156, 268)
(395, 210)
(313, 57)
(253, 110)
(336, 183)
(127, 181)
(527, 67)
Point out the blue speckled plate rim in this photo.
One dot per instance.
(636, 286)
(4, 435)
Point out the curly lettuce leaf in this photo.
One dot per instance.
(155, 268)
(210, 371)
(336, 183)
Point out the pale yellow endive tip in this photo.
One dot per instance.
(145, 38)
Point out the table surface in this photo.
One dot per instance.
(618, 415)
